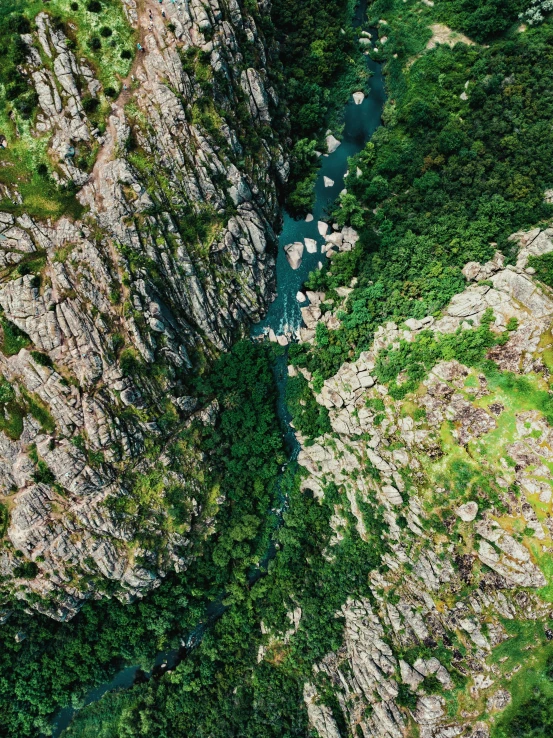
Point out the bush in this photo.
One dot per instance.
(106, 32)
(94, 6)
(27, 570)
(74, 6)
(130, 363)
(126, 54)
(95, 43)
(110, 92)
(90, 104)
(42, 359)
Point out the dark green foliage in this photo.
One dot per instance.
(544, 268)
(42, 359)
(126, 54)
(13, 53)
(481, 20)
(444, 182)
(43, 474)
(94, 6)
(13, 338)
(131, 364)
(406, 697)
(533, 719)
(94, 43)
(309, 418)
(417, 358)
(26, 570)
(4, 519)
(316, 48)
(90, 104)
(106, 32)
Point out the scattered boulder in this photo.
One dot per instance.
(332, 143)
(467, 512)
(294, 254)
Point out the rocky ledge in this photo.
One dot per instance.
(456, 476)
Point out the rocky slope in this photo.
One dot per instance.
(174, 255)
(457, 477)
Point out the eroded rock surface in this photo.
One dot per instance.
(172, 259)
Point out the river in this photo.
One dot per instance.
(283, 316)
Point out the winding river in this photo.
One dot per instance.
(283, 317)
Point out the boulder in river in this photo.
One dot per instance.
(332, 143)
(309, 217)
(294, 254)
(358, 97)
(311, 245)
(328, 182)
(300, 297)
(322, 227)
(282, 340)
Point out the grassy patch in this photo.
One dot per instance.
(98, 38)
(4, 519)
(13, 338)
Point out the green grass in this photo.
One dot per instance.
(39, 410)
(13, 338)
(26, 152)
(530, 683)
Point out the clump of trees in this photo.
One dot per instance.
(462, 163)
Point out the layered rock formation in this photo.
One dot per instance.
(457, 476)
(174, 255)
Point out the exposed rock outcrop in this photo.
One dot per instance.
(173, 258)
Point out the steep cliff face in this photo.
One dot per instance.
(104, 317)
(447, 469)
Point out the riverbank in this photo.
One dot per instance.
(284, 317)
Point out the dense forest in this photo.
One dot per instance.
(462, 162)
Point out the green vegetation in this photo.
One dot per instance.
(444, 182)
(13, 339)
(25, 162)
(544, 268)
(4, 519)
(308, 417)
(446, 179)
(322, 65)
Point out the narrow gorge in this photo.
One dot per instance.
(276, 356)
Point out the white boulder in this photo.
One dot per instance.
(332, 143)
(294, 254)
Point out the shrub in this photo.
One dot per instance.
(27, 570)
(94, 6)
(131, 365)
(90, 104)
(110, 92)
(126, 54)
(106, 32)
(95, 43)
(42, 359)
(74, 6)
